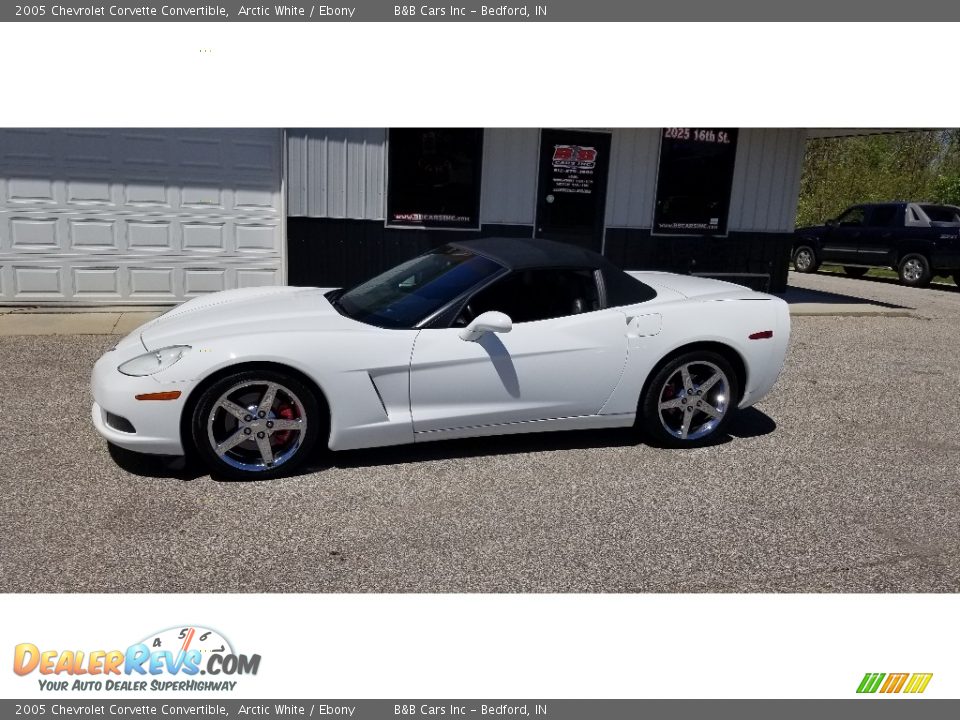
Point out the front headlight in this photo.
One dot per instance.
(153, 362)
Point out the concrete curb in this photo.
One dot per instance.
(72, 323)
(843, 310)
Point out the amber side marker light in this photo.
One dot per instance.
(168, 395)
(762, 335)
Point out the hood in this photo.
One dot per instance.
(688, 286)
(235, 312)
(810, 230)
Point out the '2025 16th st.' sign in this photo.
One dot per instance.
(694, 180)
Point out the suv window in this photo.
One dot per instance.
(530, 295)
(883, 216)
(942, 213)
(854, 217)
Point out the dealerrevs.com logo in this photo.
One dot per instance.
(179, 659)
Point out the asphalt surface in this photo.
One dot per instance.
(847, 478)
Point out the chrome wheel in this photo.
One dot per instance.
(803, 260)
(694, 400)
(913, 270)
(256, 426)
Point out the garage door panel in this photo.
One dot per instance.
(24, 145)
(89, 148)
(97, 283)
(204, 237)
(203, 196)
(26, 190)
(254, 237)
(35, 233)
(142, 192)
(100, 234)
(89, 192)
(145, 149)
(200, 281)
(152, 283)
(138, 215)
(150, 235)
(257, 278)
(38, 282)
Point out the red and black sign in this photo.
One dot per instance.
(572, 186)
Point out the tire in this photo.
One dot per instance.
(236, 410)
(914, 270)
(956, 277)
(805, 259)
(855, 272)
(663, 408)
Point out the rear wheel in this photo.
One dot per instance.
(914, 270)
(956, 277)
(855, 272)
(690, 400)
(805, 259)
(256, 424)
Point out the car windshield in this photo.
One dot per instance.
(412, 292)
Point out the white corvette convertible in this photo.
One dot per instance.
(481, 337)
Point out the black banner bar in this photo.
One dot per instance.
(467, 11)
(868, 708)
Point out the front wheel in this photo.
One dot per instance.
(855, 272)
(805, 259)
(914, 270)
(690, 400)
(256, 424)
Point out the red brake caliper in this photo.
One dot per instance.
(285, 412)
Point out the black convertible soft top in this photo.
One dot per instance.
(527, 253)
(533, 253)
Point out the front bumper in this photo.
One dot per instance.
(156, 424)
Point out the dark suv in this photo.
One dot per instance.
(918, 240)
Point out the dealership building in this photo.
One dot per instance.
(150, 217)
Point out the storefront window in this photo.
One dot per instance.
(694, 180)
(434, 177)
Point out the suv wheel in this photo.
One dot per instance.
(914, 270)
(805, 259)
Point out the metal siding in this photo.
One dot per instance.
(296, 173)
(633, 177)
(792, 175)
(766, 180)
(138, 215)
(340, 173)
(509, 181)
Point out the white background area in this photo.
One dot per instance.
(492, 75)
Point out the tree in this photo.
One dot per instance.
(912, 166)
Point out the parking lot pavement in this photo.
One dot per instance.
(847, 478)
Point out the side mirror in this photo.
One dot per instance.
(490, 321)
(832, 222)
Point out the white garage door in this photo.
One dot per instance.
(138, 216)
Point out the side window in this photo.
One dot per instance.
(530, 295)
(883, 216)
(854, 217)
